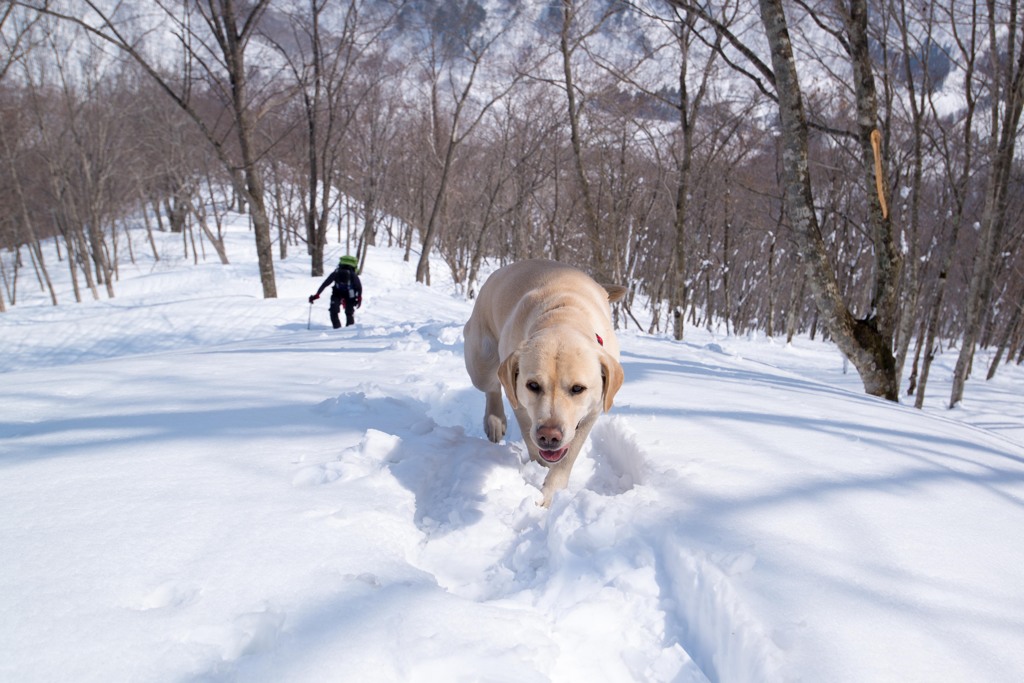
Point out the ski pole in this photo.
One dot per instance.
(310, 320)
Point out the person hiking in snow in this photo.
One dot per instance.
(347, 291)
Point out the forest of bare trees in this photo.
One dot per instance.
(843, 169)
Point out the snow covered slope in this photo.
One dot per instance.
(195, 486)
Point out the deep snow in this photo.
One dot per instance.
(193, 486)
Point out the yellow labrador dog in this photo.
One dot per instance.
(543, 331)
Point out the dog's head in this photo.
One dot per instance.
(561, 380)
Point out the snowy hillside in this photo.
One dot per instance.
(195, 486)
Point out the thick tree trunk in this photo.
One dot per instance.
(233, 43)
(888, 262)
(861, 341)
(261, 228)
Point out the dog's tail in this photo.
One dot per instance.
(615, 292)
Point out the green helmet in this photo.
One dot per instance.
(348, 261)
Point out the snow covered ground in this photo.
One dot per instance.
(195, 486)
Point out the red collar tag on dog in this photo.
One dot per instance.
(599, 340)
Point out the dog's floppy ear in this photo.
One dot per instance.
(508, 373)
(611, 379)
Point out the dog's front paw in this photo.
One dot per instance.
(557, 480)
(494, 426)
(547, 493)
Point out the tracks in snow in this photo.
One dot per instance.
(604, 559)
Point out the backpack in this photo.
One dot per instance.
(343, 284)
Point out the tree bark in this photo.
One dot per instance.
(861, 341)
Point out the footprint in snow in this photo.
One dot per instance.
(360, 460)
(168, 595)
(372, 408)
(440, 465)
(225, 644)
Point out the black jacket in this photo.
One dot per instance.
(335, 279)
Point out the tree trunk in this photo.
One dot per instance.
(589, 211)
(993, 221)
(1010, 334)
(678, 291)
(913, 279)
(72, 266)
(233, 44)
(26, 218)
(888, 262)
(454, 139)
(861, 341)
(216, 240)
(796, 299)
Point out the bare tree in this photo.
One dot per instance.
(326, 62)
(688, 107)
(572, 36)
(74, 120)
(687, 100)
(916, 37)
(214, 36)
(952, 143)
(867, 342)
(1006, 69)
(19, 204)
(452, 71)
(16, 31)
(372, 151)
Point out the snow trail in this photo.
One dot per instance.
(593, 558)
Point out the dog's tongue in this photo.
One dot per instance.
(553, 456)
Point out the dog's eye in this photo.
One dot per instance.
(577, 389)
(533, 386)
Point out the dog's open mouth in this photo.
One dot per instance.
(553, 456)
